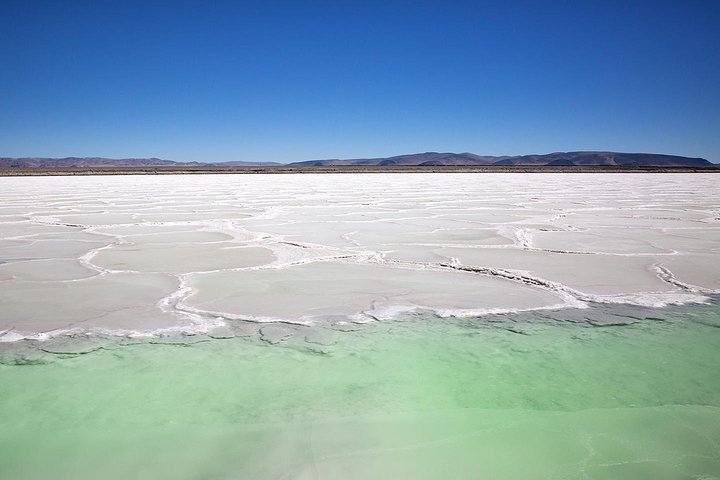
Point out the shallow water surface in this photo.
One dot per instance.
(595, 393)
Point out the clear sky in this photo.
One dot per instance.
(289, 81)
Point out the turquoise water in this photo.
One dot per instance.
(623, 395)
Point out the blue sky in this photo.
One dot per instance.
(289, 81)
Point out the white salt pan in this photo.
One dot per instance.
(309, 248)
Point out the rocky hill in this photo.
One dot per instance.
(551, 159)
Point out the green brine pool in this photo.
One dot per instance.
(601, 393)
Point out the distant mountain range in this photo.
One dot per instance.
(563, 159)
(89, 162)
(550, 159)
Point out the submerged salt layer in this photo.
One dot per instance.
(337, 248)
(611, 392)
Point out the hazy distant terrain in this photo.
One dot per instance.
(70, 162)
(565, 159)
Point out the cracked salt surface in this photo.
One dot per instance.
(142, 255)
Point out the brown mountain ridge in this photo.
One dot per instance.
(564, 159)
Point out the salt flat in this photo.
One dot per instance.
(134, 255)
(360, 326)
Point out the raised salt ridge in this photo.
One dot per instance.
(131, 255)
